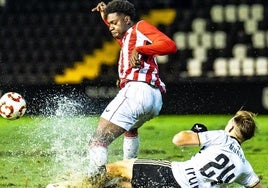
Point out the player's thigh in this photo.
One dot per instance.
(121, 168)
(153, 173)
(135, 104)
(144, 98)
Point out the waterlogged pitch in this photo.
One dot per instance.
(38, 150)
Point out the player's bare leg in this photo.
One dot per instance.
(121, 169)
(104, 135)
(107, 132)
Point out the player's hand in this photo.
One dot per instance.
(134, 59)
(198, 127)
(100, 8)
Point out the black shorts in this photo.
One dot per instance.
(153, 174)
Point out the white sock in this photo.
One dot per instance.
(98, 156)
(131, 147)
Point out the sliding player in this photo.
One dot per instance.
(221, 160)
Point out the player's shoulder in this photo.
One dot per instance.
(212, 136)
(214, 133)
(144, 24)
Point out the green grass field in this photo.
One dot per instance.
(35, 151)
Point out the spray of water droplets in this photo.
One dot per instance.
(62, 132)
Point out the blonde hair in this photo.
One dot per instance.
(245, 124)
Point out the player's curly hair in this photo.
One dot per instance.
(121, 6)
(245, 123)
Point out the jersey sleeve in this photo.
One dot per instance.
(249, 178)
(211, 137)
(159, 44)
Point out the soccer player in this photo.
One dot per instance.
(140, 96)
(219, 162)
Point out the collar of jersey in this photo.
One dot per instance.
(235, 139)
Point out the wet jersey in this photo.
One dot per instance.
(220, 161)
(148, 42)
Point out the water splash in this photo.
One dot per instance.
(62, 132)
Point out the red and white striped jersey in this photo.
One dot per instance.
(148, 42)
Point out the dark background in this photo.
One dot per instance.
(40, 38)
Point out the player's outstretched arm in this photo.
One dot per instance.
(186, 138)
(189, 138)
(100, 8)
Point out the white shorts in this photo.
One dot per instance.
(135, 104)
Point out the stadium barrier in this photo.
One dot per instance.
(181, 97)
